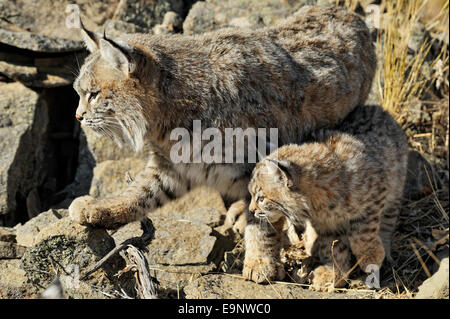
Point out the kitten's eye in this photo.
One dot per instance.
(92, 96)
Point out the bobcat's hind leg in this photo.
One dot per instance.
(387, 228)
(365, 241)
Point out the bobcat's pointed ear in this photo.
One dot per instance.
(118, 54)
(280, 169)
(90, 40)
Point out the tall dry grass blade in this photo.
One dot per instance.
(419, 257)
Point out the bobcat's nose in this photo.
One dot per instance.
(80, 117)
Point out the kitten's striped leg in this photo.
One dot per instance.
(334, 254)
(365, 241)
(387, 227)
(157, 184)
(262, 251)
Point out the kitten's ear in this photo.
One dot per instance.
(117, 53)
(90, 39)
(281, 170)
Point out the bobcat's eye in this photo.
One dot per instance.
(92, 96)
(260, 199)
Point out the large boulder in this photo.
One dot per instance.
(436, 287)
(210, 15)
(23, 129)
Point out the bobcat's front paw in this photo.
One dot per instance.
(263, 270)
(81, 209)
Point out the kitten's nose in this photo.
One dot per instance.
(80, 117)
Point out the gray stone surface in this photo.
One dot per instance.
(38, 43)
(23, 128)
(180, 250)
(109, 176)
(180, 242)
(12, 280)
(41, 25)
(7, 234)
(210, 15)
(38, 72)
(27, 233)
(222, 286)
(10, 250)
(436, 287)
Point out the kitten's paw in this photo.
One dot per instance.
(263, 270)
(81, 209)
(324, 278)
(236, 218)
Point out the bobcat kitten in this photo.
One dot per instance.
(343, 186)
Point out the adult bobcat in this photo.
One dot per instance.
(305, 73)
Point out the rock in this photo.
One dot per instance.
(172, 23)
(197, 198)
(109, 176)
(22, 139)
(211, 15)
(436, 287)
(11, 250)
(179, 251)
(39, 72)
(38, 43)
(48, 18)
(184, 245)
(146, 14)
(42, 26)
(180, 242)
(12, 280)
(7, 234)
(94, 150)
(104, 148)
(204, 215)
(66, 247)
(26, 235)
(84, 172)
(222, 286)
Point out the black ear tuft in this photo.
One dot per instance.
(90, 39)
(282, 170)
